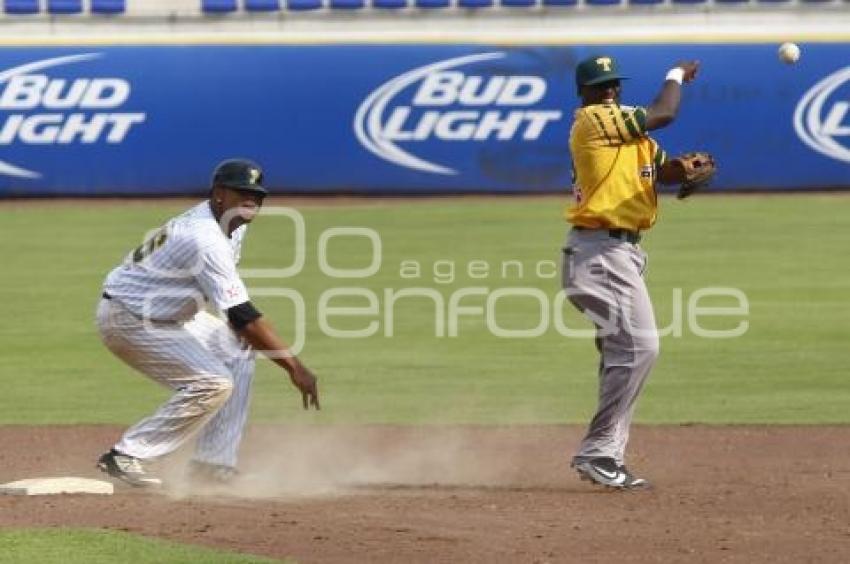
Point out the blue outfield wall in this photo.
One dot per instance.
(155, 119)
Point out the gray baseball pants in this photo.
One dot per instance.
(603, 278)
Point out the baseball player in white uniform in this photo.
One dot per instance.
(154, 316)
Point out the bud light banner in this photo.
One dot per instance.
(155, 119)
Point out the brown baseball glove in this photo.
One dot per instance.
(699, 169)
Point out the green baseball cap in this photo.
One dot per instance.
(596, 70)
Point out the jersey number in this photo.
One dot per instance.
(156, 240)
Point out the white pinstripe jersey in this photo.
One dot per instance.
(179, 267)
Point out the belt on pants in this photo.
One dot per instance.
(107, 296)
(622, 234)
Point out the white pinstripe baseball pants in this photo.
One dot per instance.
(210, 371)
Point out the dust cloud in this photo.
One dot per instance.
(293, 461)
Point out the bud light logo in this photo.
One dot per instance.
(448, 102)
(41, 110)
(822, 117)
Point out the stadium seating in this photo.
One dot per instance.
(189, 8)
(64, 6)
(301, 5)
(20, 6)
(429, 4)
(262, 5)
(475, 3)
(108, 6)
(389, 4)
(218, 6)
(347, 4)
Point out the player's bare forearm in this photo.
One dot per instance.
(262, 336)
(665, 107)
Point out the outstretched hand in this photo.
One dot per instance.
(691, 68)
(306, 382)
(261, 336)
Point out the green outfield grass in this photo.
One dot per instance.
(785, 253)
(82, 546)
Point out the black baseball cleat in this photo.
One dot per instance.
(205, 473)
(128, 469)
(606, 472)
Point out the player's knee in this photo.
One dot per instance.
(218, 391)
(648, 349)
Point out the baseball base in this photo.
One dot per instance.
(52, 486)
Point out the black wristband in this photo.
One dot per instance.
(242, 314)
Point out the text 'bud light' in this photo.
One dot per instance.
(41, 110)
(453, 106)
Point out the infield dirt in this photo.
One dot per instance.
(470, 494)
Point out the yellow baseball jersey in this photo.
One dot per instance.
(615, 166)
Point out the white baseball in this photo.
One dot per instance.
(789, 53)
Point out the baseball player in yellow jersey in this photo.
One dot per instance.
(616, 165)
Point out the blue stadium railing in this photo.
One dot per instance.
(21, 6)
(218, 6)
(108, 6)
(225, 7)
(262, 5)
(64, 7)
(300, 5)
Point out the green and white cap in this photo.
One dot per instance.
(596, 70)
